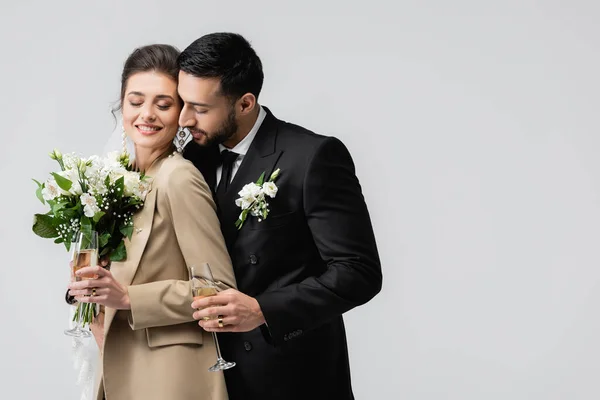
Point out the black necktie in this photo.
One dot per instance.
(227, 160)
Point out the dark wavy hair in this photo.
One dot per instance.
(155, 57)
(227, 56)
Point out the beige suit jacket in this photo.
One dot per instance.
(155, 351)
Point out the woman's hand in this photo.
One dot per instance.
(104, 290)
(97, 327)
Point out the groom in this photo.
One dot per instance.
(299, 268)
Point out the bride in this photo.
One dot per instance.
(150, 346)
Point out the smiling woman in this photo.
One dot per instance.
(151, 347)
(150, 113)
(149, 101)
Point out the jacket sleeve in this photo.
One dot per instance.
(341, 228)
(193, 213)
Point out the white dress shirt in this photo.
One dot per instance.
(242, 147)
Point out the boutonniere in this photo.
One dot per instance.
(253, 198)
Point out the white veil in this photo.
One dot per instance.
(85, 356)
(115, 142)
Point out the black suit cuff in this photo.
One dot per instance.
(70, 299)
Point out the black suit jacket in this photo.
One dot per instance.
(312, 259)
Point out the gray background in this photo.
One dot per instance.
(473, 126)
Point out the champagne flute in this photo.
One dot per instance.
(203, 285)
(84, 254)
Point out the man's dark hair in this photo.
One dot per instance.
(227, 56)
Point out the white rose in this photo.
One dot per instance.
(132, 183)
(270, 189)
(250, 191)
(243, 203)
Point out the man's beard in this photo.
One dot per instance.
(228, 128)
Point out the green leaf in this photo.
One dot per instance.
(86, 224)
(43, 226)
(105, 251)
(69, 213)
(98, 215)
(240, 222)
(119, 187)
(120, 252)
(59, 240)
(38, 192)
(58, 206)
(86, 228)
(127, 231)
(85, 313)
(261, 179)
(103, 239)
(62, 182)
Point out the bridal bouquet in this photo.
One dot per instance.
(91, 194)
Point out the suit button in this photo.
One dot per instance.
(247, 346)
(253, 259)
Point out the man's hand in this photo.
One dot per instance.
(237, 311)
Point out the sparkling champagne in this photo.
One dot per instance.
(202, 292)
(85, 258)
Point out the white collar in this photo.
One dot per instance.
(243, 146)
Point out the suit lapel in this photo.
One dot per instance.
(261, 157)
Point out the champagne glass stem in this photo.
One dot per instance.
(214, 335)
(78, 321)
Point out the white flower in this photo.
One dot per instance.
(132, 183)
(73, 176)
(274, 175)
(142, 189)
(256, 211)
(113, 157)
(94, 165)
(270, 189)
(243, 203)
(51, 190)
(250, 191)
(70, 161)
(90, 208)
(253, 201)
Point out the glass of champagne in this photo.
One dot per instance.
(84, 253)
(203, 285)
